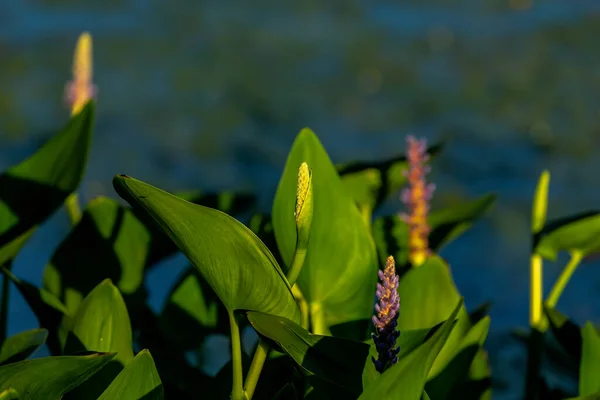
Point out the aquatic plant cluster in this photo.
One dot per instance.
(344, 305)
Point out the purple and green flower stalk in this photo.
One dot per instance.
(386, 319)
(416, 198)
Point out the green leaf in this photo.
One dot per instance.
(457, 370)
(32, 190)
(236, 264)
(102, 323)
(22, 345)
(540, 203)
(595, 396)
(49, 311)
(406, 379)
(49, 378)
(193, 311)
(161, 247)
(338, 285)
(9, 394)
(139, 380)
(371, 183)
(334, 360)
(580, 233)
(566, 333)
(590, 361)
(111, 242)
(428, 294)
(391, 232)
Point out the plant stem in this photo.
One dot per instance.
(317, 320)
(303, 306)
(534, 361)
(237, 390)
(258, 361)
(73, 209)
(563, 279)
(535, 301)
(297, 263)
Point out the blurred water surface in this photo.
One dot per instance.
(210, 95)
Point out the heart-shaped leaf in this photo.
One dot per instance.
(427, 295)
(49, 311)
(49, 378)
(391, 232)
(338, 285)
(456, 372)
(566, 333)
(193, 311)
(335, 360)
(22, 345)
(111, 242)
(32, 190)
(589, 371)
(139, 380)
(371, 183)
(237, 265)
(579, 233)
(406, 379)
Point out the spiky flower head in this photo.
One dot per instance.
(416, 197)
(81, 89)
(386, 318)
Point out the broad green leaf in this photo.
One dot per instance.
(102, 323)
(193, 311)
(9, 394)
(50, 312)
(457, 370)
(371, 183)
(111, 242)
(340, 270)
(580, 233)
(391, 232)
(234, 204)
(237, 265)
(428, 294)
(406, 379)
(139, 380)
(334, 360)
(22, 345)
(566, 333)
(32, 190)
(49, 378)
(590, 361)
(540, 203)
(595, 396)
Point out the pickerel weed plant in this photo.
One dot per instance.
(317, 281)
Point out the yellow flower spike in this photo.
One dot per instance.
(81, 89)
(303, 214)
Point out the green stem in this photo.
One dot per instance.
(4, 304)
(258, 361)
(317, 320)
(296, 266)
(73, 209)
(563, 279)
(237, 390)
(534, 362)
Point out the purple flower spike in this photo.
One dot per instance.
(386, 319)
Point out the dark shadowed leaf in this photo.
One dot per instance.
(391, 232)
(371, 183)
(193, 311)
(32, 190)
(334, 360)
(138, 381)
(339, 285)
(49, 311)
(237, 265)
(406, 379)
(112, 244)
(589, 370)
(566, 333)
(595, 396)
(20, 346)
(428, 295)
(49, 378)
(580, 232)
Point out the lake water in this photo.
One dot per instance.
(210, 95)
